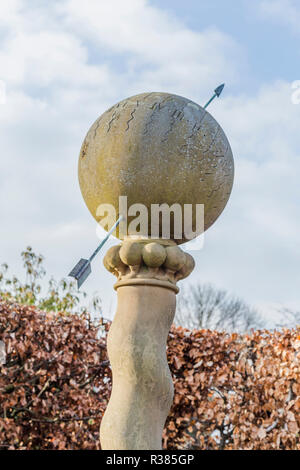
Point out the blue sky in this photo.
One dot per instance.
(65, 62)
(268, 42)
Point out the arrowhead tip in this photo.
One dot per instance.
(219, 89)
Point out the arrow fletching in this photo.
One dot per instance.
(81, 271)
(83, 268)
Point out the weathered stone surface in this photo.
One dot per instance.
(140, 262)
(154, 255)
(142, 390)
(157, 148)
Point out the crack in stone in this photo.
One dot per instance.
(147, 96)
(176, 114)
(165, 100)
(213, 140)
(132, 113)
(156, 106)
(97, 127)
(113, 117)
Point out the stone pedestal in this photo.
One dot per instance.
(142, 390)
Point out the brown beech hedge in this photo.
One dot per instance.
(231, 391)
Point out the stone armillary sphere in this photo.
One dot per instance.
(153, 148)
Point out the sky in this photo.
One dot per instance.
(63, 63)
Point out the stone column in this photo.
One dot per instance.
(147, 272)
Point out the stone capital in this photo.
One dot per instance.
(148, 262)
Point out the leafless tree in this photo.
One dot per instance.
(205, 306)
(287, 318)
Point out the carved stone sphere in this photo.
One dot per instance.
(157, 148)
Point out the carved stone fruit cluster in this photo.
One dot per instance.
(134, 262)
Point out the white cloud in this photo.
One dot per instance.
(283, 11)
(160, 51)
(65, 62)
(138, 28)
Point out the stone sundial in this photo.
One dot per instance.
(153, 148)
